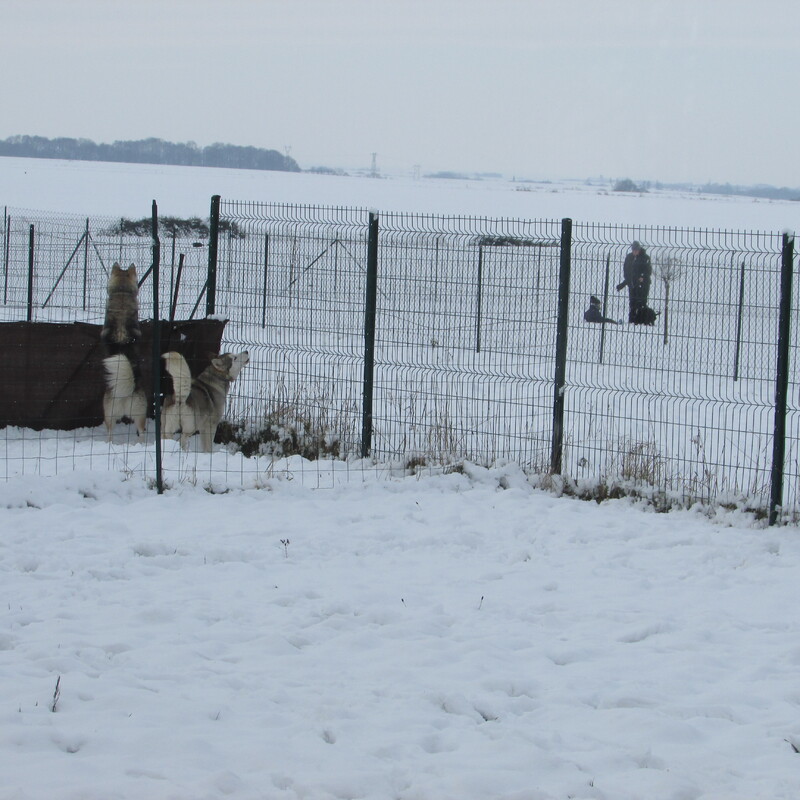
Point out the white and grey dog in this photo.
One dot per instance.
(198, 404)
(124, 398)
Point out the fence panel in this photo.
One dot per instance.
(73, 256)
(291, 280)
(687, 404)
(63, 279)
(465, 341)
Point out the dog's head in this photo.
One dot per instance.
(123, 279)
(230, 364)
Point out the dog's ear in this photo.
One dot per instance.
(222, 363)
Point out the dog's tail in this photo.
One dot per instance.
(177, 367)
(120, 377)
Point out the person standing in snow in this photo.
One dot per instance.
(637, 272)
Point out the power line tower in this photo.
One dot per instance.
(373, 173)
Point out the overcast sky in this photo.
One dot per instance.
(669, 90)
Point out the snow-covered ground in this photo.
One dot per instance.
(436, 637)
(459, 637)
(129, 189)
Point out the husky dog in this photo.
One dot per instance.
(198, 404)
(121, 328)
(124, 398)
(594, 314)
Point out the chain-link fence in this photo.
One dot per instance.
(55, 266)
(428, 340)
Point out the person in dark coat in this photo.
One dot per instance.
(637, 271)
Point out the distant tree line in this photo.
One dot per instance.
(760, 190)
(148, 151)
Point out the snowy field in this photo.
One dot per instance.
(460, 637)
(389, 637)
(129, 189)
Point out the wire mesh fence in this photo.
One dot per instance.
(55, 272)
(463, 356)
(465, 339)
(688, 403)
(291, 283)
(55, 266)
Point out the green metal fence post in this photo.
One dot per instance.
(29, 316)
(213, 245)
(557, 443)
(156, 355)
(782, 379)
(370, 313)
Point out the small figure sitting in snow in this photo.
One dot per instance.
(594, 314)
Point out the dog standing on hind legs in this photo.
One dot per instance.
(124, 398)
(197, 404)
(121, 331)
